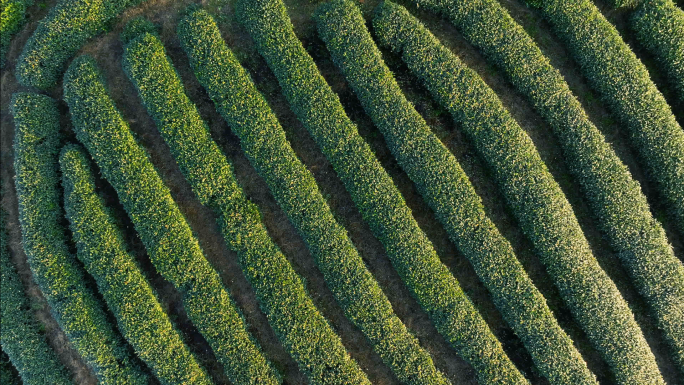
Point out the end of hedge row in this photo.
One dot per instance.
(69, 25)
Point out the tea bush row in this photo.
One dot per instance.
(380, 203)
(624, 84)
(74, 305)
(615, 198)
(102, 249)
(444, 185)
(535, 199)
(303, 331)
(170, 243)
(66, 28)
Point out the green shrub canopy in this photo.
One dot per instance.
(102, 249)
(624, 84)
(319, 109)
(659, 26)
(615, 198)
(303, 331)
(446, 188)
(12, 15)
(535, 199)
(21, 336)
(74, 306)
(69, 25)
(170, 243)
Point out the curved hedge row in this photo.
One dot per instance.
(264, 142)
(11, 19)
(304, 331)
(61, 34)
(102, 249)
(73, 305)
(659, 26)
(616, 199)
(170, 243)
(624, 84)
(444, 185)
(535, 199)
(21, 337)
(319, 109)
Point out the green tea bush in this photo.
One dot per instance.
(446, 188)
(659, 26)
(624, 85)
(170, 243)
(69, 25)
(379, 201)
(303, 331)
(263, 140)
(12, 18)
(615, 198)
(101, 248)
(21, 337)
(535, 199)
(55, 270)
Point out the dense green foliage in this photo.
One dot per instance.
(319, 109)
(8, 375)
(55, 270)
(535, 199)
(295, 189)
(659, 26)
(441, 180)
(12, 15)
(625, 86)
(102, 249)
(21, 337)
(303, 331)
(170, 243)
(61, 34)
(615, 198)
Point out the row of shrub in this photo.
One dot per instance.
(659, 26)
(535, 199)
(170, 243)
(319, 109)
(102, 249)
(616, 199)
(444, 185)
(12, 15)
(293, 186)
(74, 306)
(69, 25)
(303, 331)
(21, 337)
(624, 84)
